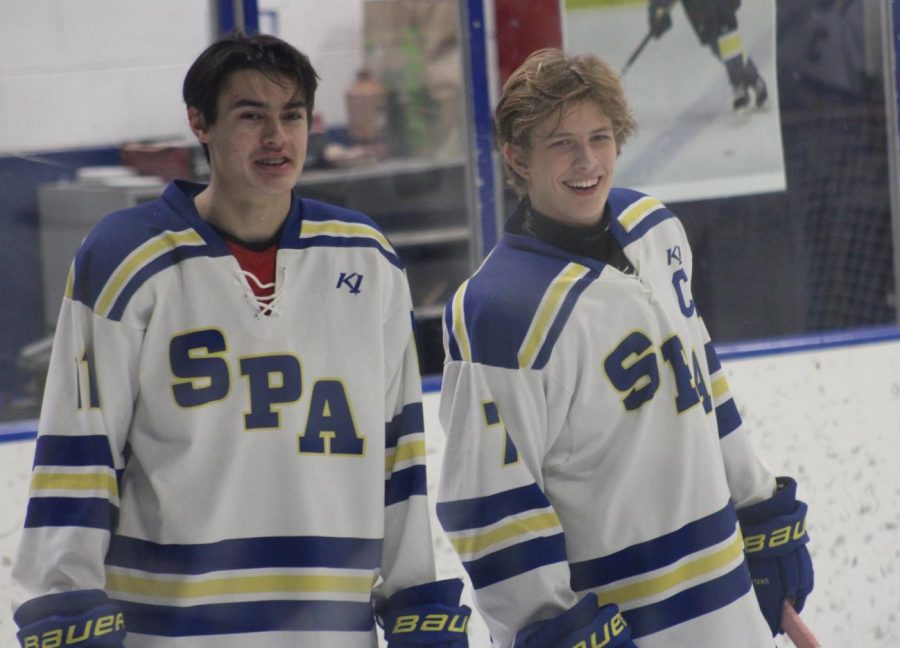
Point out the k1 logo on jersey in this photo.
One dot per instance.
(350, 280)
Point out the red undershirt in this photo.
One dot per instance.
(259, 263)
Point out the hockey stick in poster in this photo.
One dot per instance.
(796, 630)
(637, 52)
(640, 48)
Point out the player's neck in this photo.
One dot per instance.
(250, 219)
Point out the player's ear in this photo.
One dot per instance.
(517, 160)
(197, 124)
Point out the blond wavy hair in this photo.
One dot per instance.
(546, 84)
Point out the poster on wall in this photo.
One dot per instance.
(695, 140)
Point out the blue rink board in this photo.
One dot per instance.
(27, 429)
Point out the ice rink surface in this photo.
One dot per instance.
(690, 144)
(829, 417)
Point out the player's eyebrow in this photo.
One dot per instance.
(555, 134)
(293, 104)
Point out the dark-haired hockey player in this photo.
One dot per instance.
(715, 23)
(597, 478)
(231, 449)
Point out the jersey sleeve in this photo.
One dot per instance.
(74, 492)
(491, 501)
(749, 479)
(408, 556)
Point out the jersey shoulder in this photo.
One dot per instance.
(636, 214)
(128, 246)
(511, 311)
(324, 225)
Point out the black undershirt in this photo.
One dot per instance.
(592, 241)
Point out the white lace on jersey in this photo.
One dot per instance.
(267, 305)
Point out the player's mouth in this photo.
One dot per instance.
(583, 187)
(274, 163)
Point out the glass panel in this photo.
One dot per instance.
(95, 122)
(804, 243)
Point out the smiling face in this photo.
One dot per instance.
(568, 164)
(257, 144)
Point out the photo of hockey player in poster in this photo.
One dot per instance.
(703, 88)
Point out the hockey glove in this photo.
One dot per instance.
(84, 618)
(585, 624)
(660, 20)
(775, 547)
(426, 615)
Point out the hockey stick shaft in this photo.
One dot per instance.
(637, 52)
(640, 48)
(796, 630)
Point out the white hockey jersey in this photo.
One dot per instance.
(231, 478)
(593, 444)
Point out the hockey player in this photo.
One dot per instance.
(597, 478)
(715, 23)
(231, 446)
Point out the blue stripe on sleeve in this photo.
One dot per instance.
(246, 617)
(409, 421)
(728, 418)
(403, 484)
(245, 553)
(517, 559)
(655, 554)
(479, 512)
(91, 512)
(54, 450)
(712, 359)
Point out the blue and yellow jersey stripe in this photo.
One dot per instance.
(511, 312)
(635, 214)
(324, 225)
(555, 304)
(728, 418)
(243, 585)
(74, 483)
(159, 247)
(404, 462)
(503, 535)
(678, 576)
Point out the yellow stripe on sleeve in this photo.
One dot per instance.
(459, 323)
(181, 589)
(636, 212)
(149, 251)
(657, 585)
(547, 311)
(76, 482)
(467, 545)
(345, 230)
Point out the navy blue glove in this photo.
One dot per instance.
(426, 615)
(586, 624)
(659, 18)
(775, 547)
(81, 618)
